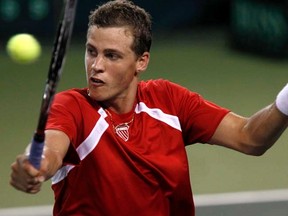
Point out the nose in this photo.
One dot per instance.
(98, 64)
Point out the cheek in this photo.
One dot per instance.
(118, 81)
(118, 78)
(86, 60)
(87, 63)
(86, 69)
(126, 77)
(121, 73)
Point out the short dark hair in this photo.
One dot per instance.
(121, 13)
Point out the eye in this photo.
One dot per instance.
(91, 51)
(112, 56)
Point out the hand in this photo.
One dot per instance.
(25, 177)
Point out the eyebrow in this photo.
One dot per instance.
(88, 44)
(113, 51)
(105, 50)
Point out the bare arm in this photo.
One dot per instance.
(253, 135)
(26, 178)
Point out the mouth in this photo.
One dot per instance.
(96, 81)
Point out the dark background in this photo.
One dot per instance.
(256, 26)
(40, 16)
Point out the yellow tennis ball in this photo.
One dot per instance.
(23, 48)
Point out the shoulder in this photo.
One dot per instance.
(157, 84)
(74, 92)
(166, 95)
(70, 95)
(73, 101)
(165, 87)
(154, 83)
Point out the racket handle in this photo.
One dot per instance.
(36, 150)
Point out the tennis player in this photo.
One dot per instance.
(117, 147)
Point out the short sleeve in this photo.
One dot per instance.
(199, 118)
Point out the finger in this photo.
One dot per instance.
(25, 177)
(35, 180)
(29, 168)
(17, 185)
(26, 186)
(22, 176)
(33, 188)
(21, 172)
(14, 167)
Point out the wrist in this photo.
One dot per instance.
(282, 100)
(28, 149)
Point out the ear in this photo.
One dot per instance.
(142, 62)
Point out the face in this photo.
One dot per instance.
(112, 67)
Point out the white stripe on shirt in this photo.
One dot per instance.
(86, 146)
(93, 139)
(158, 114)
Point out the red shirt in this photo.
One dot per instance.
(147, 175)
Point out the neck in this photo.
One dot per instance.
(122, 104)
(121, 107)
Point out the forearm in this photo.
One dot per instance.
(51, 161)
(56, 146)
(256, 134)
(54, 162)
(264, 128)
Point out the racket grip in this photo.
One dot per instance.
(36, 150)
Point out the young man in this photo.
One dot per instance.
(117, 147)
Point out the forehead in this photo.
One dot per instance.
(110, 35)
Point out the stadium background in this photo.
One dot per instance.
(233, 52)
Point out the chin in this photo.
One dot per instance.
(97, 97)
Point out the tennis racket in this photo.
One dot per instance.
(61, 44)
